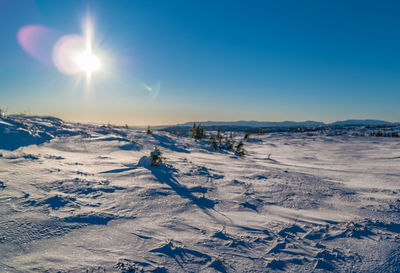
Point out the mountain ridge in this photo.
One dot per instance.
(287, 123)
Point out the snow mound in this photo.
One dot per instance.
(14, 134)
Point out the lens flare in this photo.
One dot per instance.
(153, 90)
(66, 52)
(37, 41)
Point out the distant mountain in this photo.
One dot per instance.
(308, 123)
(360, 122)
(252, 123)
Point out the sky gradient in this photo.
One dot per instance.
(212, 60)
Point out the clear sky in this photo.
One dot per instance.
(210, 60)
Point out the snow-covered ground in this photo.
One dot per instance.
(84, 198)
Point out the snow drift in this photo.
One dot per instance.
(85, 198)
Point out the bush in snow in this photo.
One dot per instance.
(149, 131)
(220, 142)
(156, 157)
(229, 142)
(239, 148)
(378, 134)
(197, 131)
(214, 143)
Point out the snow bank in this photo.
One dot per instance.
(15, 134)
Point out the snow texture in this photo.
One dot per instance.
(85, 198)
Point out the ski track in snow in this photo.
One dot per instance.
(84, 198)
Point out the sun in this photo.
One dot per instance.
(75, 54)
(87, 62)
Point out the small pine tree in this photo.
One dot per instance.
(126, 126)
(201, 133)
(156, 157)
(197, 131)
(149, 131)
(192, 131)
(219, 136)
(240, 149)
(247, 137)
(229, 143)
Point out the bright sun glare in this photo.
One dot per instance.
(74, 54)
(87, 61)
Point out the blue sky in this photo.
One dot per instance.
(213, 60)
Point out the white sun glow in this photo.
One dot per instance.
(87, 62)
(74, 54)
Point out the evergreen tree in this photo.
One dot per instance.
(201, 133)
(197, 131)
(228, 143)
(156, 157)
(193, 130)
(219, 136)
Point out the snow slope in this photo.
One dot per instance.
(84, 198)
